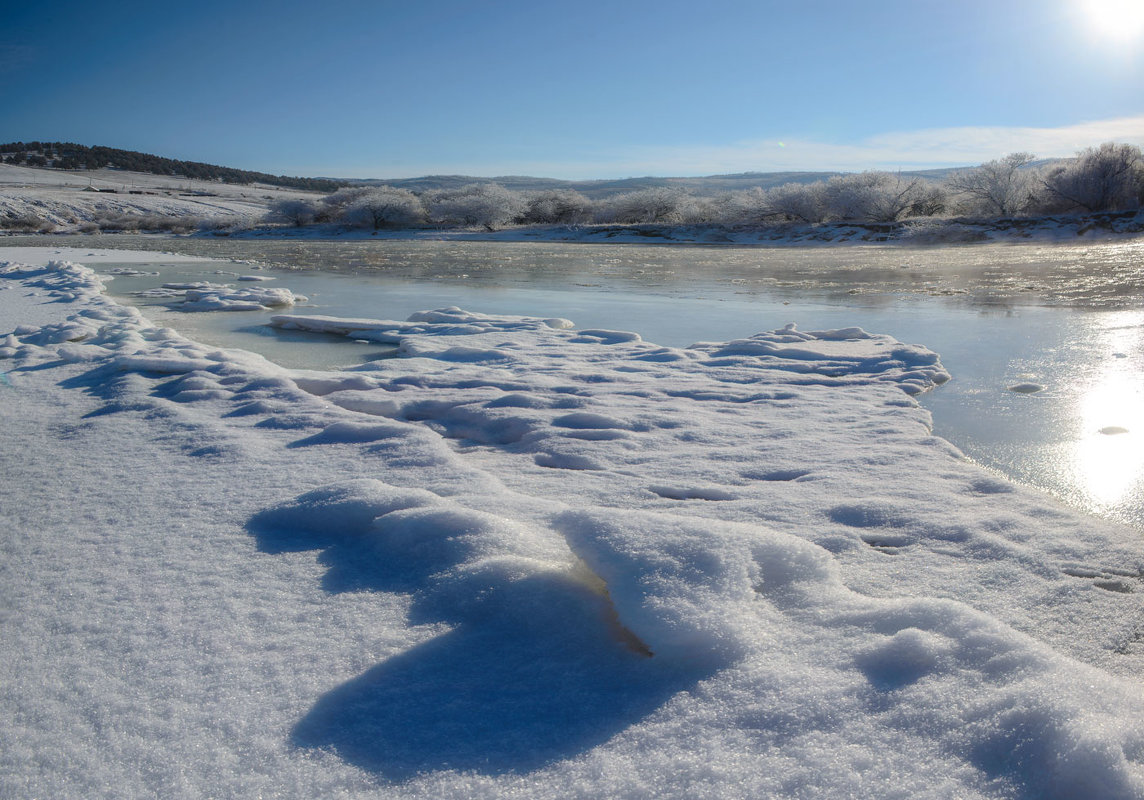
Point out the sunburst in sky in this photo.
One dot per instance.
(592, 89)
(1116, 20)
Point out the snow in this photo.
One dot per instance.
(521, 559)
(65, 200)
(207, 296)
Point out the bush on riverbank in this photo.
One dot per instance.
(1109, 178)
(1008, 196)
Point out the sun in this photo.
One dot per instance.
(1118, 20)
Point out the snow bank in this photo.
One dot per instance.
(549, 562)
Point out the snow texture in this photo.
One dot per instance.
(207, 296)
(521, 559)
(66, 200)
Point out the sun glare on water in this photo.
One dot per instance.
(1108, 453)
(1117, 20)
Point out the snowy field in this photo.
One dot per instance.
(65, 200)
(523, 559)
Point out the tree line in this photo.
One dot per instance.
(1105, 178)
(70, 156)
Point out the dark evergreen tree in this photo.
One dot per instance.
(107, 157)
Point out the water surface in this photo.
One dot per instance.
(1063, 316)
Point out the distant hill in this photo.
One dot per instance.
(596, 189)
(70, 156)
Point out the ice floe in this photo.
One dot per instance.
(207, 296)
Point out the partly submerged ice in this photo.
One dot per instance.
(522, 559)
(207, 296)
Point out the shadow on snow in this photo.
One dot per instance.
(531, 674)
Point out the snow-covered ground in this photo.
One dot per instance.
(526, 560)
(66, 202)
(66, 199)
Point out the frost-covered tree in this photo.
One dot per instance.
(740, 206)
(488, 205)
(996, 187)
(795, 202)
(556, 207)
(721, 209)
(335, 204)
(880, 197)
(293, 211)
(661, 204)
(928, 199)
(383, 207)
(1105, 178)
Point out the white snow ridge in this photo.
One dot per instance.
(205, 296)
(524, 560)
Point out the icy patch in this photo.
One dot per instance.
(128, 271)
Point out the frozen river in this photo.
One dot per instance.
(1065, 317)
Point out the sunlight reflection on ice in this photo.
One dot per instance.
(985, 322)
(1108, 456)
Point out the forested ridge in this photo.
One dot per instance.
(71, 156)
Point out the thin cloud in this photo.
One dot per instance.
(922, 149)
(935, 147)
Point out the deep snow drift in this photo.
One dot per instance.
(521, 559)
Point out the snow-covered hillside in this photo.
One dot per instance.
(522, 559)
(67, 200)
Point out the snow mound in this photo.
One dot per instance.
(522, 559)
(207, 296)
(245, 299)
(835, 357)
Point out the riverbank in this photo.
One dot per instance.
(233, 578)
(909, 232)
(916, 233)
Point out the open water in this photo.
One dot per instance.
(1067, 317)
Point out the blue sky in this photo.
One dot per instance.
(575, 89)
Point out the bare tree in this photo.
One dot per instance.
(659, 204)
(1105, 178)
(927, 199)
(999, 187)
(879, 197)
(334, 205)
(385, 206)
(488, 205)
(795, 202)
(294, 211)
(557, 207)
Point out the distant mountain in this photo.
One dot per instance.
(70, 156)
